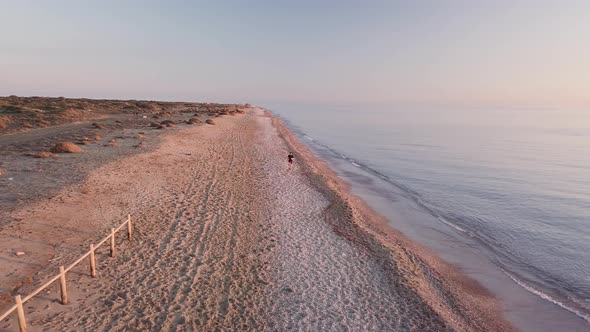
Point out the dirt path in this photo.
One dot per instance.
(36, 134)
(227, 239)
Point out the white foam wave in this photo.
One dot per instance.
(309, 138)
(547, 297)
(585, 303)
(355, 164)
(451, 225)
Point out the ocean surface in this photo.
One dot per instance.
(502, 194)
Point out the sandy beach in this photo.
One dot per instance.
(227, 238)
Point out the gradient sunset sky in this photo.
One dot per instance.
(478, 53)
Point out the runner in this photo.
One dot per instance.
(290, 157)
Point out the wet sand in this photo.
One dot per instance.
(227, 238)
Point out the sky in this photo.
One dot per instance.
(464, 53)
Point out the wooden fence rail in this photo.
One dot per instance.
(62, 275)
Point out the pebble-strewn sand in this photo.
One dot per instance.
(228, 238)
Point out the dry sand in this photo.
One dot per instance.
(228, 238)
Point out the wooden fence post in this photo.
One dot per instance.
(129, 228)
(62, 284)
(22, 324)
(92, 262)
(112, 242)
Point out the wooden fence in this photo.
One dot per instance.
(62, 275)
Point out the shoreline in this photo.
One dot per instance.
(523, 306)
(222, 244)
(481, 308)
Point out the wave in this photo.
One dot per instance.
(501, 258)
(547, 297)
(406, 191)
(448, 223)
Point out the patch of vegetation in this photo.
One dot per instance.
(24, 113)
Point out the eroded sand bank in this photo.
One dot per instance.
(229, 238)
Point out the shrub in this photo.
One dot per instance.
(4, 120)
(193, 121)
(66, 147)
(43, 154)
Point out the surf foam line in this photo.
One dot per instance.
(416, 198)
(547, 297)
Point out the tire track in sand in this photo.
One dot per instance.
(193, 254)
(172, 251)
(160, 258)
(193, 272)
(216, 212)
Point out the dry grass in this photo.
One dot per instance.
(72, 114)
(156, 125)
(193, 121)
(4, 120)
(24, 113)
(43, 154)
(66, 147)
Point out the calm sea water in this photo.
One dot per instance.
(514, 183)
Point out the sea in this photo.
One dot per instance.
(502, 194)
